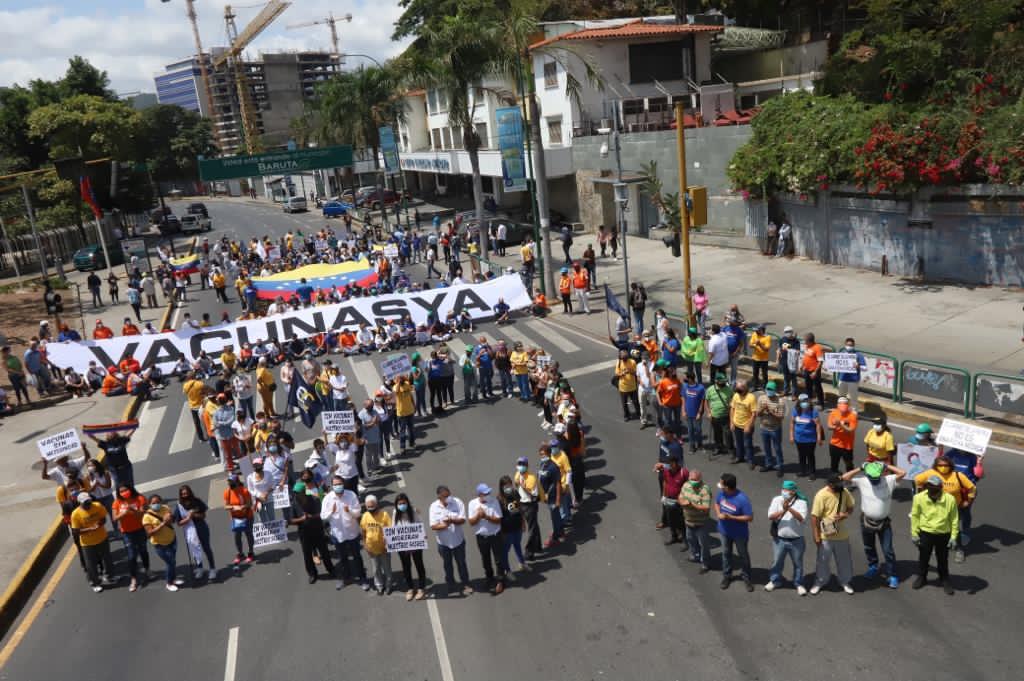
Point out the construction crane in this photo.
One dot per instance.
(331, 22)
(204, 73)
(239, 41)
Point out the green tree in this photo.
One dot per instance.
(171, 138)
(87, 126)
(82, 78)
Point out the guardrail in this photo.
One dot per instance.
(1002, 401)
(947, 384)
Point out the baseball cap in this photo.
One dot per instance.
(482, 488)
(932, 480)
(83, 497)
(522, 460)
(787, 329)
(873, 470)
(789, 484)
(770, 385)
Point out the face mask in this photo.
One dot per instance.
(154, 507)
(787, 494)
(741, 391)
(943, 469)
(695, 483)
(720, 384)
(403, 507)
(86, 504)
(770, 393)
(338, 489)
(272, 449)
(521, 469)
(849, 347)
(126, 495)
(878, 427)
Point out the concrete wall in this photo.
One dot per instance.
(708, 151)
(759, 65)
(975, 239)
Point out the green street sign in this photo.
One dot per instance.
(276, 163)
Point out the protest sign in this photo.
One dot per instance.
(395, 365)
(391, 251)
(52, 447)
(281, 499)
(841, 362)
(793, 360)
(915, 459)
(543, 360)
(339, 421)
(271, 532)
(407, 537)
(964, 436)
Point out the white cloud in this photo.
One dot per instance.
(134, 45)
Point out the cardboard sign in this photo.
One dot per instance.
(391, 251)
(915, 459)
(281, 499)
(409, 537)
(272, 532)
(543, 360)
(339, 421)
(841, 362)
(395, 365)
(959, 435)
(793, 360)
(52, 447)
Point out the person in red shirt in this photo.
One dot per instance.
(670, 399)
(238, 502)
(102, 332)
(581, 284)
(810, 366)
(129, 365)
(129, 329)
(127, 511)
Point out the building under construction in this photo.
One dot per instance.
(277, 85)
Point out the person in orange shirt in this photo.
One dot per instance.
(810, 366)
(842, 422)
(348, 342)
(650, 345)
(581, 284)
(129, 365)
(670, 399)
(565, 290)
(129, 329)
(238, 502)
(112, 383)
(540, 304)
(127, 510)
(102, 332)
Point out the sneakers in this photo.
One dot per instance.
(769, 587)
(871, 572)
(725, 583)
(365, 586)
(97, 588)
(815, 590)
(919, 582)
(800, 590)
(171, 587)
(467, 590)
(848, 589)
(959, 556)
(250, 559)
(410, 594)
(748, 585)
(237, 560)
(339, 585)
(894, 582)
(198, 573)
(420, 594)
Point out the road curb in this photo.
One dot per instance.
(869, 406)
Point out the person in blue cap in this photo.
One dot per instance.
(484, 515)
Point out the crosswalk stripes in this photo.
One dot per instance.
(184, 434)
(550, 335)
(366, 374)
(149, 422)
(516, 336)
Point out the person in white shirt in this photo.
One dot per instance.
(646, 382)
(447, 516)
(484, 516)
(341, 509)
(788, 512)
(276, 307)
(261, 486)
(242, 429)
(241, 388)
(345, 462)
(501, 235)
(718, 350)
(876, 490)
(365, 338)
(339, 387)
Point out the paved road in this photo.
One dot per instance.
(613, 603)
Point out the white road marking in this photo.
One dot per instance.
(215, 495)
(400, 478)
(184, 433)
(442, 647)
(174, 317)
(232, 655)
(555, 338)
(517, 336)
(179, 478)
(149, 422)
(366, 374)
(583, 371)
(574, 332)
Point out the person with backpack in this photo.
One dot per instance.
(637, 303)
(566, 237)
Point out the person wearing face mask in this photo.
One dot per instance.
(447, 516)
(669, 450)
(879, 441)
(239, 505)
(735, 513)
(972, 467)
(693, 353)
(484, 515)
(742, 409)
(954, 483)
(832, 505)
(771, 410)
(88, 523)
(550, 477)
(806, 433)
(158, 522)
(128, 508)
(842, 423)
(718, 351)
(405, 515)
(670, 399)
(341, 511)
(308, 508)
(811, 364)
(717, 399)
(849, 382)
(876, 489)
(530, 496)
(923, 436)
(646, 382)
(101, 488)
(760, 346)
(693, 392)
(674, 476)
(190, 515)
(625, 380)
(788, 514)
(261, 486)
(695, 500)
(372, 434)
(934, 527)
(788, 343)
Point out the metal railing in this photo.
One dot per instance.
(937, 383)
(1019, 380)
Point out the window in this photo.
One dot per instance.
(550, 75)
(405, 142)
(632, 107)
(435, 137)
(649, 62)
(555, 130)
(656, 104)
(432, 101)
(481, 132)
(447, 132)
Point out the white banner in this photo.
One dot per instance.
(339, 421)
(407, 537)
(959, 435)
(164, 349)
(395, 365)
(841, 362)
(271, 532)
(52, 447)
(281, 499)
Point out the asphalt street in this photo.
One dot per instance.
(612, 603)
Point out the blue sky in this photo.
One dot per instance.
(134, 39)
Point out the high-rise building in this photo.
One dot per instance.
(180, 84)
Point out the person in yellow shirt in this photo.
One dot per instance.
(405, 409)
(195, 390)
(88, 522)
(521, 370)
(220, 284)
(531, 494)
(561, 460)
(265, 386)
(625, 379)
(158, 522)
(742, 408)
(934, 526)
(228, 358)
(372, 524)
(832, 505)
(879, 441)
(760, 344)
(954, 483)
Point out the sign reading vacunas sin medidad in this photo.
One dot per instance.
(165, 349)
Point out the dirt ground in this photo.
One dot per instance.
(20, 314)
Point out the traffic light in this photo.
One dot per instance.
(672, 242)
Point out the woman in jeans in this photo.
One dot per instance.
(404, 515)
(158, 522)
(512, 523)
(101, 487)
(238, 503)
(190, 514)
(128, 509)
(806, 432)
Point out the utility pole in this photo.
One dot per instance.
(541, 180)
(684, 212)
(35, 233)
(621, 197)
(7, 246)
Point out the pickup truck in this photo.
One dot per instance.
(195, 223)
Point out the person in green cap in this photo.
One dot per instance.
(306, 517)
(693, 353)
(788, 515)
(771, 410)
(419, 383)
(876, 488)
(716, 403)
(470, 386)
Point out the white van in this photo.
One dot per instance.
(294, 204)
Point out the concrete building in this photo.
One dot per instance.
(180, 84)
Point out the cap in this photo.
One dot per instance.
(760, 327)
(522, 460)
(932, 480)
(873, 470)
(803, 396)
(482, 488)
(565, 270)
(370, 499)
(469, 348)
(83, 497)
(719, 376)
(770, 385)
(835, 480)
(112, 369)
(924, 428)
(789, 484)
(647, 334)
(258, 461)
(787, 329)
(414, 357)
(843, 400)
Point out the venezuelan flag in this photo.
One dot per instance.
(188, 264)
(320, 276)
(127, 427)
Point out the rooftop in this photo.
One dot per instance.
(636, 28)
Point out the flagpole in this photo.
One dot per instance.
(103, 242)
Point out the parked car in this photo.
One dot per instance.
(198, 209)
(294, 204)
(471, 215)
(195, 223)
(373, 199)
(334, 209)
(169, 224)
(88, 258)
